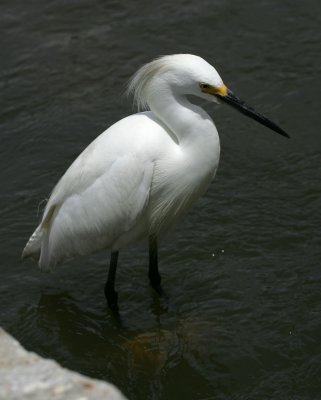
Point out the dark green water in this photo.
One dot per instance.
(242, 270)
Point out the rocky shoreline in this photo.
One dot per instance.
(25, 375)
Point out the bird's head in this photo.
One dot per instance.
(186, 74)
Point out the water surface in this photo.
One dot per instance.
(242, 270)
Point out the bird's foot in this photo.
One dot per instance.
(112, 299)
(155, 282)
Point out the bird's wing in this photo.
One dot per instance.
(98, 215)
(101, 196)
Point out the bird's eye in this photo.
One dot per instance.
(204, 86)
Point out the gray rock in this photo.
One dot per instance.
(25, 375)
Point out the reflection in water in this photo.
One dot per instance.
(112, 350)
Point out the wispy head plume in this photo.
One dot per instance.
(138, 85)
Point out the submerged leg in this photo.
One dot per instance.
(110, 293)
(153, 274)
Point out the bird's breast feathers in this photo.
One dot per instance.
(175, 187)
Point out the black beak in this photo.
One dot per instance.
(239, 104)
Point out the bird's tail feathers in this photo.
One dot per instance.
(33, 246)
(37, 246)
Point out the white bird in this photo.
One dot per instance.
(142, 173)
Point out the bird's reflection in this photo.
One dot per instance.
(74, 327)
(81, 334)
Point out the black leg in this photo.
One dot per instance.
(153, 274)
(110, 293)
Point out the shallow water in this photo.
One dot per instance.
(242, 271)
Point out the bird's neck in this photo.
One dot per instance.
(189, 123)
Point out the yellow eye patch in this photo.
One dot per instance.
(220, 90)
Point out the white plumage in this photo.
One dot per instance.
(143, 172)
(136, 177)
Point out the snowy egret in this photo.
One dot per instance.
(141, 174)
